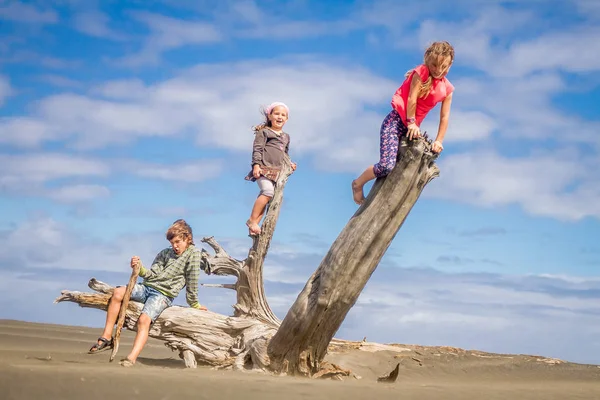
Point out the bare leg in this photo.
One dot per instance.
(389, 139)
(358, 183)
(258, 211)
(143, 326)
(112, 313)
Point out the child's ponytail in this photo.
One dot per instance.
(265, 124)
(425, 86)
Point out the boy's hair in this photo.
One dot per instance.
(435, 50)
(180, 228)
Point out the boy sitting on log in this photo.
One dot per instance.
(172, 269)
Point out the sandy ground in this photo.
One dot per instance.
(39, 361)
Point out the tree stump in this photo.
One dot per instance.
(253, 338)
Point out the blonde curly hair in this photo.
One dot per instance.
(433, 52)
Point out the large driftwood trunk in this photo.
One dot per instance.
(254, 338)
(301, 342)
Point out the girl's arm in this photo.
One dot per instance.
(260, 139)
(444, 116)
(413, 94)
(411, 107)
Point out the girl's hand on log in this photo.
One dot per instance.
(256, 171)
(135, 260)
(413, 131)
(437, 147)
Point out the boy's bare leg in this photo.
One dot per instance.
(143, 326)
(358, 183)
(112, 313)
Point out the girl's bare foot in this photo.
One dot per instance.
(357, 193)
(253, 228)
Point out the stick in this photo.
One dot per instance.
(134, 274)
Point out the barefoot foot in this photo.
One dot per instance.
(357, 193)
(253, 228)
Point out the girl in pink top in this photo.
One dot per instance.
(424, 87)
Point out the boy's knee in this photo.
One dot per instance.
(144, 320)
(119, 293)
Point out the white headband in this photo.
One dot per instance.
(275, 104)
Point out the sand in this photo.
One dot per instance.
(42, 361)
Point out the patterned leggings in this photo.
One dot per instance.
(392, 129)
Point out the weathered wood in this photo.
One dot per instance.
(391, 377)
(122, 311)
(214, 339)
(251, 300)
(236, 342)
(301, 342)
(254, 338)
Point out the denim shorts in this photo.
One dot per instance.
(154, 301)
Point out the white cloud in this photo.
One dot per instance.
(498, 313)
(542, 183)
(60, 247)
(169, 33)
(60, 81)
(24, 131)
(220, 103)
(5, 89)
(95, 23)
(463, 125)
(37, 174)
(588, 8)
(484, 41)
(523, 108)
(196, 171)
(20, 12)
(79, 193)
(576, 50)
(24, 170)
(126, 89)
(21, 56)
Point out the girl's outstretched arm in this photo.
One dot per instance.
(411, 107)
(444, 116)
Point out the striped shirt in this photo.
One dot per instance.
(170, 273)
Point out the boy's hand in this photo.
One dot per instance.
(437, 147)
(135, 260)
(413, 131)
(256, 171)
(293, 166)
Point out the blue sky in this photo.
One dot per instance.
(116, 118)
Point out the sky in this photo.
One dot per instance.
(119, 117)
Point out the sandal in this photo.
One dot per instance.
(126, 362)
(99, 347)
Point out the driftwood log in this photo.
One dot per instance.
(253, 338)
